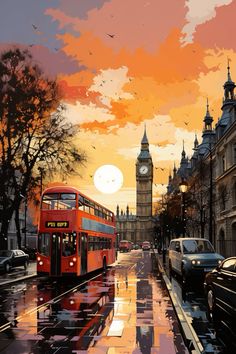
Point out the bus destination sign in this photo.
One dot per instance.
(58, 224)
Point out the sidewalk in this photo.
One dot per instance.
(193, 343)
(18, 274)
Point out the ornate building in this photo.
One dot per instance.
(212, 178)
(139, 227)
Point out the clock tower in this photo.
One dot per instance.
(144, 180)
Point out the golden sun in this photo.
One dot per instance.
(108, 179)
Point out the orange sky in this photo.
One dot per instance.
(122, 64)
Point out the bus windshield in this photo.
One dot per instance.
(59, 201)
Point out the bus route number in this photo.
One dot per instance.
(59, 224)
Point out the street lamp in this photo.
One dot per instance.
(183, 186)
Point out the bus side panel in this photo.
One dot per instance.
(95, 258)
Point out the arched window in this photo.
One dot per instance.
(222, 242)
(223, 197)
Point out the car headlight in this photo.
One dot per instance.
(219, 261)
(196, 262)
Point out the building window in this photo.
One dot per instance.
(222, 197)
(234, 153)
(223, 163)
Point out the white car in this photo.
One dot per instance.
(192, 256)
(146, 246)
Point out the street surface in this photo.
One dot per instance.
(125, 310)
(193, 301)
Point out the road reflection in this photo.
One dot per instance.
(125, 310)
(193, 301)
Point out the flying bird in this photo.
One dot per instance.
(110, 35)
(93, 147)
(34, 27)
(186, 123)
(91, 176)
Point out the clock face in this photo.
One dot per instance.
(143, 169)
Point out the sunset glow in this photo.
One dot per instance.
(123, 64)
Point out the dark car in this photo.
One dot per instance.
(31, 252)
(220, 290)
(13, 258)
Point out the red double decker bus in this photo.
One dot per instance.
(76, 234)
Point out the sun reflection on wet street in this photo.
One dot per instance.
(125, 310)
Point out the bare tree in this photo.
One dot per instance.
(33, 131)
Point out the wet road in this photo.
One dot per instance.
(125, 310)
(193, 301)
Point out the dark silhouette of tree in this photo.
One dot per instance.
(33, 132)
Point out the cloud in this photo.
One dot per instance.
(109, 83)
(79, 113)
(200, 12)
(218, 32)
(133, 24)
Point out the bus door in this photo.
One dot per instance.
(84, 252)
(56, 254)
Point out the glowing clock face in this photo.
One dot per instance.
(143, 170)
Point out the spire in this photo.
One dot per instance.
(195, 142)
(144, 153)
(170, 177)
(229, 85)
(183, 152)
(228, 67)
(144, 139)
(207, 119)
(174, 170)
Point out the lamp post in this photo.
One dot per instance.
(211, 198)
(183, 186)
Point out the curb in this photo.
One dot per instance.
(18, 279)
(190, 336)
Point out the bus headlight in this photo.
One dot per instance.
(71, 264)
(38, 258)
(40, 263)
(74, 259)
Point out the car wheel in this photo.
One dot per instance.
(7, 267)
(26, 265)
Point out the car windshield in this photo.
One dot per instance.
(197, 246)
(4, 253)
